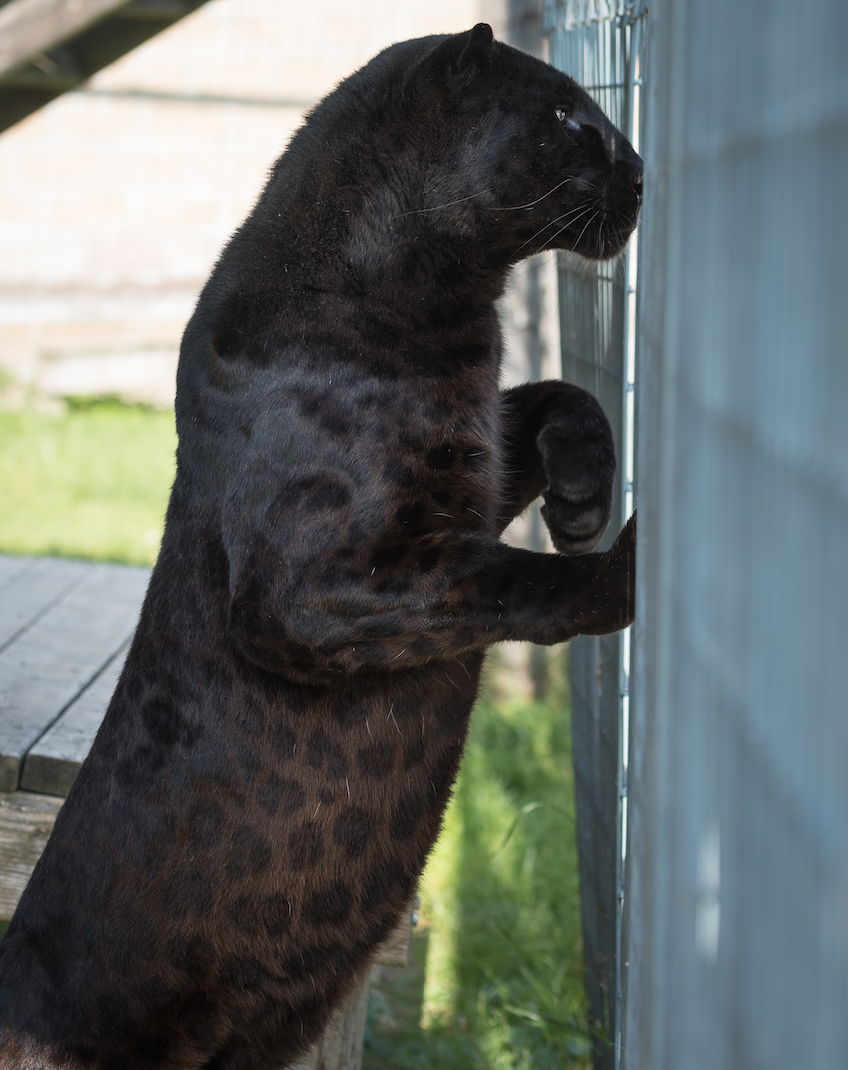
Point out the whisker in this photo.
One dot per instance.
(568, 224)
(583, 231)
(506, 208)
(517, 207)
(581, 209)
(447, 204)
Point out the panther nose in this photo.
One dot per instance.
(635, 167)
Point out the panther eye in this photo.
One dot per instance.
(561, 114)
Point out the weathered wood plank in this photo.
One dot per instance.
(10, 565)
(30, 27)
(25, 823)
(31, 588)
(48, 666)
(52, 762)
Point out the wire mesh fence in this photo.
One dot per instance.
(601, 44)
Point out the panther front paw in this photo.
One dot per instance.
(578, 455)
(614, 585)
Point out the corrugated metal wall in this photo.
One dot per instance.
(738, 854)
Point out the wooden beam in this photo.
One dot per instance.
(30, 28)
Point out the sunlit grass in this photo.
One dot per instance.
(92, 483)
(504, 968)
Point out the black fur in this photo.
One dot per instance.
(274, 765)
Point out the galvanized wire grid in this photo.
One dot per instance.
(599, 42)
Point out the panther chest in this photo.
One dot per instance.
(446, 472)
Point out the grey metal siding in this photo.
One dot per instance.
(738, 855)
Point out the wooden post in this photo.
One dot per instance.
(340, 1045)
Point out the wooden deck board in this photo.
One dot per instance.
(10, 565)
(29, 589)
(54, 660)
(52, 763)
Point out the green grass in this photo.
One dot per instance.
(92, 483)
(504, 970)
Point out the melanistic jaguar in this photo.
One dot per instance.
(274, 765)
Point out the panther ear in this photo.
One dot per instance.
(471, 53)
(453, 64)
